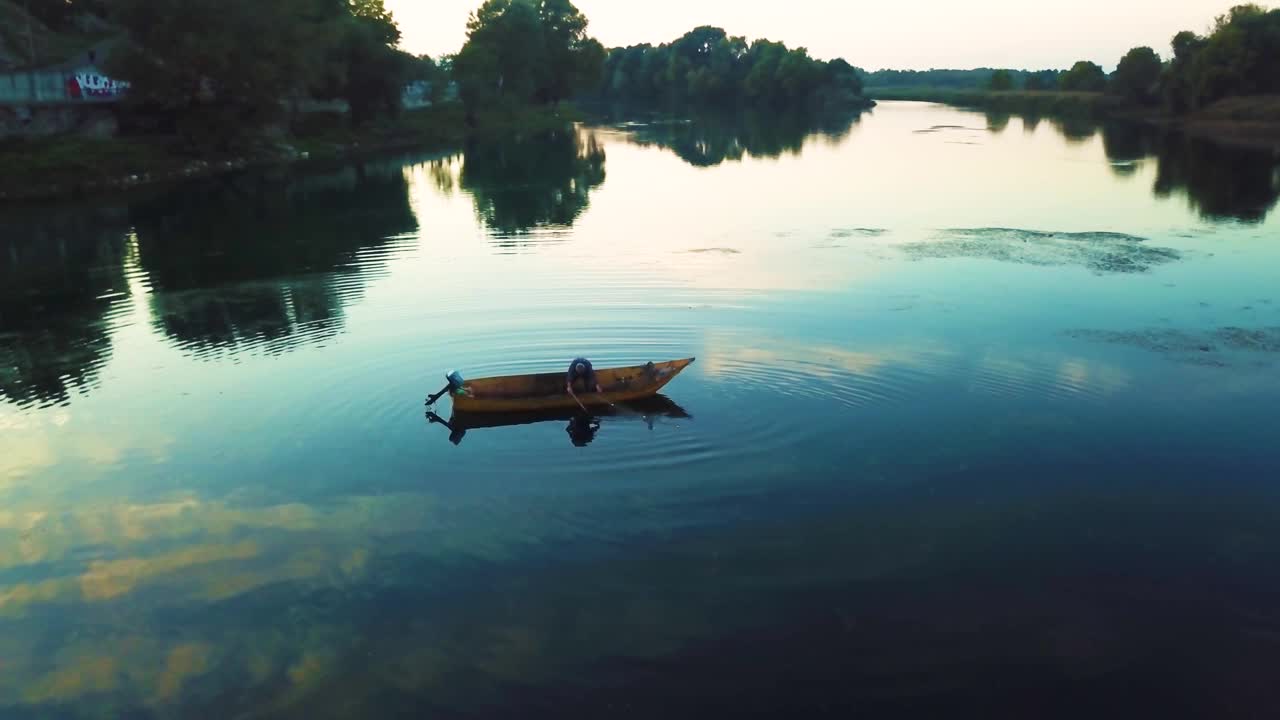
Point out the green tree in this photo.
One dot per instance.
(1041, 80)
(1178, 85)
(761, 82)
(375, 71)
(1240, 57)
(60, 14)
(435, 72)
(573, 59)
(1137, 77)
(841, 84)
(1001, 81)
(1084, 76)
(375, 12)
(704, 65)
(504, 45)
(225, 69)
(521, 51)
(707, 66)
(221, 68)
(797, 78)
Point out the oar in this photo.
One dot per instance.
(575, 399)
(584, 407)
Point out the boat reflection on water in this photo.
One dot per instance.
(581, 428)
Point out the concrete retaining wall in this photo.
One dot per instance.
(33, 87)
(50, 87)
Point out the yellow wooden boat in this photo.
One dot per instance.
(545, 391)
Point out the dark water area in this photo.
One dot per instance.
(982, 424)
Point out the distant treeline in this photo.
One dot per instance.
(708, 66)
(977, 78)
(1239, 57)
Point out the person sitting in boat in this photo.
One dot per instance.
(580, 370)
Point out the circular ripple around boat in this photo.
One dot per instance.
(852, 380)
(384, 381)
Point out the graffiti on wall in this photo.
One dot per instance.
(89, 84)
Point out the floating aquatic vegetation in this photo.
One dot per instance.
(1101, 252)
(833, 238)
(1265, 340)
(1208, 347)
(845, 233)
(1154, 339)
(940, 128)
(719, 250)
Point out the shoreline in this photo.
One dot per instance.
(1247, 123)
(71, 168)
(138, 177)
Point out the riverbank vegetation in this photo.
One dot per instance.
(239, 81)
(1051, 102)
(50, 167)
(1239, 57)
(1251, 121)
(708, 67)
(224, 72)
(223, 84)
(220, 84)
(1225, 84)
(947, 79)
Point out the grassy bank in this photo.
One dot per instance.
(1245, 121)
(1027, 102)
(1252, 121)
(322, 136)
(67, 166)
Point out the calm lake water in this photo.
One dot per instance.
(984, 420)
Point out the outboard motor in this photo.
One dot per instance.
(455, 381)
(455, 386)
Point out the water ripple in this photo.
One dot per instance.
(854, 378)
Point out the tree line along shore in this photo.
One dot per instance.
(217, 84)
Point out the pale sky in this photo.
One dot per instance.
(871, 34)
